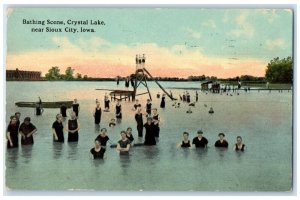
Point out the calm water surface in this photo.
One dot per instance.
(263, 119)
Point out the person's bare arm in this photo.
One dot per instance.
(31, 133)
(54, 134)
(9, 139)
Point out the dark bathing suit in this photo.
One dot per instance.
(200, 143)
(59, 131)
(157, 129)
(237, 148)
(118, 111)
(76, 108)
(26, 129)
(97, 115)
(13, 130)
(223, 144)
(102, 140)
(72, 125)
(98, 154)
(63, 111)
(140, 126)
(185, 145)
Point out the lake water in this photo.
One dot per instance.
(263, 119)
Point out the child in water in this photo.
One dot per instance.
(112, 122)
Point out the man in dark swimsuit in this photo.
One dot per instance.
(221, 142)
(200, 141)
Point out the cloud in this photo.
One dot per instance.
(119, 59)
(193, 33)
(209, 23)
(276, 44)
(243, 27)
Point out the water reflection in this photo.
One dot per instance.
(151, 152)
(12, 156)
(221, 151)
(98, 162)
(125, 162)
(97, 128)
(57, 149)
(72, 150)
(26, 153)
(201, 153)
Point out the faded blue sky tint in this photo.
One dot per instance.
(223, 36)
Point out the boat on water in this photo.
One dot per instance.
(53, 104)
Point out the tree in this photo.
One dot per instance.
(69, 74)
(280, 70)
(79, 76)
(85, 77)
(53, 74)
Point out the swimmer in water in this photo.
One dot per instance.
(103, 138)
(98, 151)
(239, 145)
(129, 135)
(221, 142)
(185, 143)
(123, 145)
(112, 122)
(200, 141)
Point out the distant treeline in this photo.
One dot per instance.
(277, 71)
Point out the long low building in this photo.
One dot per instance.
(22, 75)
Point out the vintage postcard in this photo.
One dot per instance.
(149, 99)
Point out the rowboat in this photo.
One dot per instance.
(54, 104)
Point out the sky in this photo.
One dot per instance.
(177, 42)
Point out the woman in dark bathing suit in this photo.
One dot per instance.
(185, 143)
(239, 145)
(98, 151)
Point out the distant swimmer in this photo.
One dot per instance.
(103, 138)
(239, 145)
(73, 128)
(200, 141)
(150, 132)
(163, 102)
(75, 106)
(38, 109)
(188, 97)
(196, 95)
(156, 120)
(158, 95)
(118, 110)
(185, 143)
(139, 120)
(97, 113)
(221, 142)
(112, 123)
(148, 107)
(98, 151)
(211, 111)
(58, 129)
(136, 104)
(63, 110)
(192, 104)
(184, 97)
(17, 115)
(27, 130)
(106, 103)
(129, 135)
(12, 133)
(123, 145)
(189, 111)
